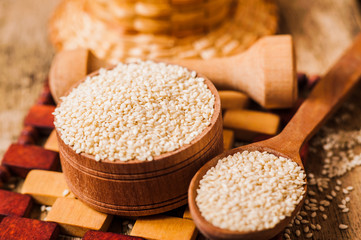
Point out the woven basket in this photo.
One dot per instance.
(117, 34)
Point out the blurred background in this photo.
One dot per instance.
(322, 29)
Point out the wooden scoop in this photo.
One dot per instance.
(321, 103)
(266, 71)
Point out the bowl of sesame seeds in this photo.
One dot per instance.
(131, 137)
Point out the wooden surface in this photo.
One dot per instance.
(322, 30)
(150, 187)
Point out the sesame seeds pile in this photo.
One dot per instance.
(135, 111)
(250, 191)
(327, 193)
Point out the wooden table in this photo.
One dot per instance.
(322, 29)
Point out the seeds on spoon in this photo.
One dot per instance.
(250, 191)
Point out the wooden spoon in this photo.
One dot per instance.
(321, 103)
(266, 71)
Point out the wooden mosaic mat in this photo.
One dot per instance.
(84, 24)
(46, 188)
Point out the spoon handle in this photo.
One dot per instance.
(324, 99)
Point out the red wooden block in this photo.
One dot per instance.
(98, 235)
(29, 135)
(40, 116)
(25, 228)
(20, 159)
(15, 204)
(45, 97)
(4, 174)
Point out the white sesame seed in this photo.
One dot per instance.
(318, 227)
(48, 208)
(343, 202)
(324, 216)
(333, 193)
(337, 188)
(345, 210)
(250, 191)
(313, 214)
(42, 208)
(120, 114)
(313, 200)
(347, 199)
(345, 191)
(322, 209)
(66, 192)
(342, 226)
(329, 197)
(338, 182)
(341, 206)
(349, 188)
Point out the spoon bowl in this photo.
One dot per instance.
(321, 103)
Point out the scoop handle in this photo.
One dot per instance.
(266, 71)
(324, 99)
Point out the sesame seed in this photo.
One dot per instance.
(324, 216)
(342, 226)
(338, 182)
(309, 235)
(297, 222)
(333, 193)
(313, 200)
(343, 202)
(318, 227)
(341, 206)
(345, 210)
(303, 213)
(313, 226)
(314, 208)
(350, 188)
(66, 192)
(298, 233)
(314, 214)
(299, 217)
(337, 188)
(329, 197)
(306, 229)
(311, 193)
(307, 208)
(121, 113)
(288, 231)
(304, 221)
(307, 201)
(287, 236)
(347, 199)
(322, 209)
(284, 174)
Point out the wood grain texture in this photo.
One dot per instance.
(324, 99)
(45, 186)
(15, 204)
(164, 228)
(20, 159)
(228, 139)
(151, 187)
(233, 99)
(98, 235)
(25, 228)
(75, 218)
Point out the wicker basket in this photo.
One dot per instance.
(151, 29)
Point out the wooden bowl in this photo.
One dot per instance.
(140, 188)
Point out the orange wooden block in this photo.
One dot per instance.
(247, 124)
(233, 100)
(228, 139)
(75, 218)
(187, 214)
(164, 228)
(52, 142)
(46, 186)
